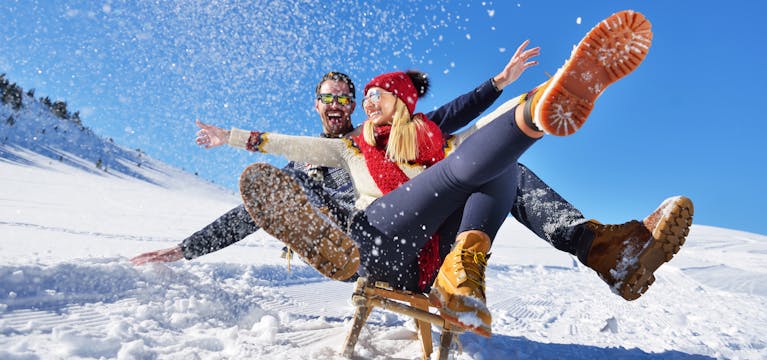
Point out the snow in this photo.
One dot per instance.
(68, 291)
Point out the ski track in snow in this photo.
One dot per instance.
(223, 310)
(89, 308)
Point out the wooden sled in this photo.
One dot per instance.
(368, 296)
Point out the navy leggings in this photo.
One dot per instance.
(472, 189)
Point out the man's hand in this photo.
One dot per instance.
(517, 65)
(211, 136)
(164, 255)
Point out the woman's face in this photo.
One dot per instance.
(379, 106)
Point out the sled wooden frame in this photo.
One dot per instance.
(367, 296)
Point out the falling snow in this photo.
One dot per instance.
(68, 291)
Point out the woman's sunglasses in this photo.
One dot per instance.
(374, 96)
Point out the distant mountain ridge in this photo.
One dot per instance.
(29, 124)
(34, 127)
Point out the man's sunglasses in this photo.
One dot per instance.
(328, 99)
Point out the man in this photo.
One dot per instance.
(537, 206)
(328, 188)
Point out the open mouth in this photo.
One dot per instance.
(335, 117)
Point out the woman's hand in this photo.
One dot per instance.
(164, 255)
(211, 136)
(517, 65)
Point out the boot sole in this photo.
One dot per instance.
(279, 205)
(453, 319)
(611, 50)
(669, 234)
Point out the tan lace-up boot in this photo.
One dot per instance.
(459, 290)
(611, 50)
(625, 256)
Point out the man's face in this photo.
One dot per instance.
(336, 118)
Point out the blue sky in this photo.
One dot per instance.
(688, 121)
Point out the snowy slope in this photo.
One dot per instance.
(67, 290)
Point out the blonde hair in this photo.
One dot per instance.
(403, 139)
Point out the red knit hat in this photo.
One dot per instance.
(398, 83)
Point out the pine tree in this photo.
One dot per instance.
(76, 118)
(3, 82)
(59, 109)
(46, 101)
(12, 95)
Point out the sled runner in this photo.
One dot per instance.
(367, 296)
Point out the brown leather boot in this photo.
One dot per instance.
(279, 205)
(626, 255)
(459, 290)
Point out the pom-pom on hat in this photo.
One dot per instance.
(407, 86)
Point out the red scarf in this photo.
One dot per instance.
(388, 176)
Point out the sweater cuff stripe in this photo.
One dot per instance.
(239, 138)
(254, 141)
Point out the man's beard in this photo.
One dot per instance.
(337, 126)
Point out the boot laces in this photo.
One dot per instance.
(474, 274)
(287, 254)
(619, 227)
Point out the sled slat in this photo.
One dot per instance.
(366, 297)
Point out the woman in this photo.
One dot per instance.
(405, 219)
